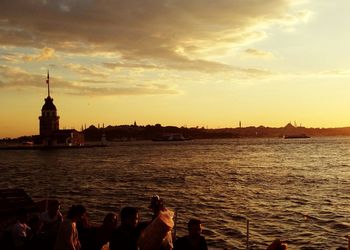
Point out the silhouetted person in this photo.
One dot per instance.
(85, 231)
(51, 221)
(125, 237)
(194, 240)
(67, 237)
(103, 233)
(36, 239)
(277, 244)
(156, 234)
(156, 206)
(20, 231)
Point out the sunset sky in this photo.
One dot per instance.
(208, 63)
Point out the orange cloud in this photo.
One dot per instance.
(45, 54)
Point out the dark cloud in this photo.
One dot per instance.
(171, 32)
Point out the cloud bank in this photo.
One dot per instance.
(172, 33)
(14, 77)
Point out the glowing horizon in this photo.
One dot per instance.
(195, 63)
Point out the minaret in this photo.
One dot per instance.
(49, 121)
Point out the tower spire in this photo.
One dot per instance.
(48, 83)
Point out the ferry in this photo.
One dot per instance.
(171, 137)
(296, 136)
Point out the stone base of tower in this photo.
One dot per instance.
(69, 137)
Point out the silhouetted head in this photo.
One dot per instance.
(156, 205)
(110, 221)
(194, 228)
(129, 216)
(53, 207)
(76, 212)
(277, 244)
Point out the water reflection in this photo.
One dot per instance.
(294, 189)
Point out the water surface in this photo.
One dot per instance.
(297, 189)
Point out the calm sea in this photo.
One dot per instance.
(298, 189)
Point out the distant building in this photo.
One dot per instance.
(49, 128)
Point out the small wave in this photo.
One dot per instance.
(340, 226)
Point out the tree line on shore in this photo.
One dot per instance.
(149, 132)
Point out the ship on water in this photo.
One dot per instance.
(171, 137)
(296, 136)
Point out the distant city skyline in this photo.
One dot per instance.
(182, 63)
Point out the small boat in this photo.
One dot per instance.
(296, 136)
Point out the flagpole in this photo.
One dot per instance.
(48, 83)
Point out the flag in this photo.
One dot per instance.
(48, 78)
